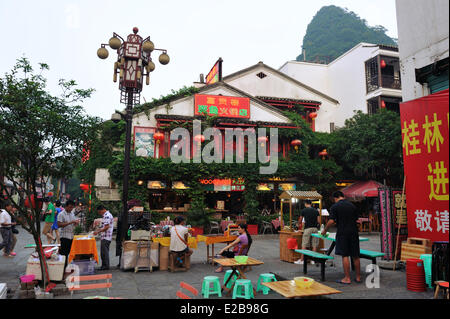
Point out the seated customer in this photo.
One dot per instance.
(179, 237)
(241, 245)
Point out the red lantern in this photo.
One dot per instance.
(296, 144)
(383, 104)
(84, 187)
(313, 115)
(50, 194)
(159, 137)
(199, 138)
(323, 154)
(262, 140)
(383, 64)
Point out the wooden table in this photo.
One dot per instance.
(238, 270)
(289, 289)
(211, 240)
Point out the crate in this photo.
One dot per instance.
(55, 268)
(85, 267)
(414, 248)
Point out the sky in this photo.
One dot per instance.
(66, 34)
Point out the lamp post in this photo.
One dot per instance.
(133, 63)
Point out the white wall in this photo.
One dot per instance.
(423, 38)
(343, 79)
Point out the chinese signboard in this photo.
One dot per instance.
(425, 130)
(223, 106)
(144, 144)
(223, 185)
(215, 75)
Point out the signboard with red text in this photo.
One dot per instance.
(223, 106)
(425, 130)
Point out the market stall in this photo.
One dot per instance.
(287, 234)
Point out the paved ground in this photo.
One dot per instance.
(163, 284)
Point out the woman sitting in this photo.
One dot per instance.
(241, 245)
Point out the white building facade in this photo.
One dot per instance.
(423, 30)
(365, 78)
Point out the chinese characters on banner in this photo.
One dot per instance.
(215, 74)
(224, 185)
(425, 130)
(144, 144)
(223, 106)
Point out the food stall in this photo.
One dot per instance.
(288, 254)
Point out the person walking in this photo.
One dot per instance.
(6, 229)
(345, 215)
(106, 231)
(66, 223)
(312, 221)
(49, 220)
(14, 231)
(55, 223)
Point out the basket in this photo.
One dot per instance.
(303, 282)
(241, 259)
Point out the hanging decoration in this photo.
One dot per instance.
(262, 140)
(159, 137)
(324, 153)
(296, 144)
(383, 64)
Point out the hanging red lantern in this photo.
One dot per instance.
(49, 194)
(296, 144)
(383, 64)
(313, 115)
(383, 104)
(84, 187)
(159, 137)
(199, 138)
(323, 154)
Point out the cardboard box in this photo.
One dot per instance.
(140, 234)
(164, 257)
(55, 268)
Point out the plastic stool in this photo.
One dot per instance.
(243, 289)
(215, 289)
(232, 280)
(265, 278)
(427, 262)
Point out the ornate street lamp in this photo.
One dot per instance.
(134, 62)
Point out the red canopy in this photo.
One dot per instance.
(362, 189)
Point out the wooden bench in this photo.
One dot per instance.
(317, 257)
(73, 280)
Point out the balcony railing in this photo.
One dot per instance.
(391, 82)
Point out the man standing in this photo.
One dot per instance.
(345, 215)
(49, 219)
(55, 223)
(312, 220)
(5, 229)
(106, 237)
(66, 223)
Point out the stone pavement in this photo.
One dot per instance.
(163, 284)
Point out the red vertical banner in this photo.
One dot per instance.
(425, 130)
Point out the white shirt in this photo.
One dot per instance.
(176, 244)
(107, 220)
(5, 218)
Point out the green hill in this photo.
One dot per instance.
(334, 30)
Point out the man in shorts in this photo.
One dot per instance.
(345, 215)
(312, 221)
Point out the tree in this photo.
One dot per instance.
(370, 146)
(41, 136)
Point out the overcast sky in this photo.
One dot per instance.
(67, 33)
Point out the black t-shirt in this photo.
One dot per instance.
(310, 214)
(345, 215)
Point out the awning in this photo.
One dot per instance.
(361, 189)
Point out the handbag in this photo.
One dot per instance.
(14, 230)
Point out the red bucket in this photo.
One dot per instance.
(292, 243)
(415, 275)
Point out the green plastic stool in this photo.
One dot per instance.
(232, 280)
(243, 289)
(265, 278)
(427, 263)
(207, 290)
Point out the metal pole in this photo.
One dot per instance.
(126, 166)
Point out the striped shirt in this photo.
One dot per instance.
(65, 217)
